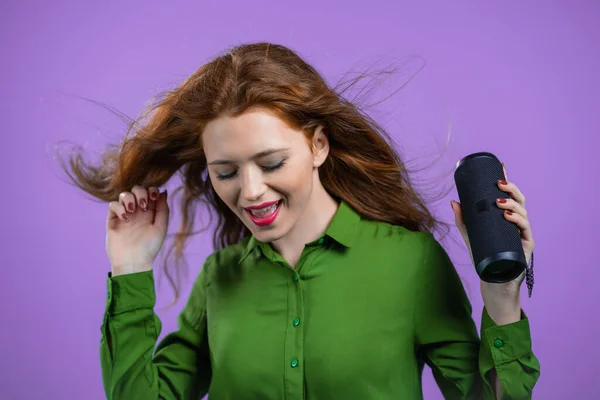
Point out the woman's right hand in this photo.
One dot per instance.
(136, 228)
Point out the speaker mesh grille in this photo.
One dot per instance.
(488, 230)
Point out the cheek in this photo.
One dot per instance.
(297, 180)
(225, 192)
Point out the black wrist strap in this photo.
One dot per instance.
(529, 276)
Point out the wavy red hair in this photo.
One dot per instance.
(363, 167)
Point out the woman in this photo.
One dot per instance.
(327, 282)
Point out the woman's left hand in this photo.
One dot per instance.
(515, 212)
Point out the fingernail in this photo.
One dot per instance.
(502, 181)
(125, 218)
(130, 207)
(153, 196)
(501, 200)
(508, 212)
(143, 204)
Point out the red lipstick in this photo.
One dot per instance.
(269, 219)
(263, 205)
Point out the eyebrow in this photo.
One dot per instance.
(254, 157)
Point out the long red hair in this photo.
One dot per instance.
(363, 167)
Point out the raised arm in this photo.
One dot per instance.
(464, 366)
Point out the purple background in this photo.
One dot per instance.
(517, 79)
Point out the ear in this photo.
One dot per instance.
(320, 147)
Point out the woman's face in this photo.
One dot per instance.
(263, 169)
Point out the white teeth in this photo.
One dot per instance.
(264, 212)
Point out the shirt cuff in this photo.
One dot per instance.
(130, 291)
(501, 344)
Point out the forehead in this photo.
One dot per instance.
(247, 134)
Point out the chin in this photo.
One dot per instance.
(267, 236)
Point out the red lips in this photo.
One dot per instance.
(266, 221)
(263, 205)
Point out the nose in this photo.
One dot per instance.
(253, 186)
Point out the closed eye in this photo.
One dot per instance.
(266, 168)
(222, 177)
(275, 167)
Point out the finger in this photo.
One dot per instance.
(141, 196)
(504, 170)
(127, 199)
(153, 194)
(522, 223)
(513, 190)
(161, 217)
(459, 220)
(512, 205)
(458, 217)
(116, 213)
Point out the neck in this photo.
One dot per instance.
(314, 222)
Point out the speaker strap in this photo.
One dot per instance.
(529, 276)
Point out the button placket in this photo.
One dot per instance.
(294, 334)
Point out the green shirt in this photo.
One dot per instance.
(367, 306)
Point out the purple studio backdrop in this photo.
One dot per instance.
(519, 80)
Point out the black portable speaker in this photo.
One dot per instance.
(495, 242)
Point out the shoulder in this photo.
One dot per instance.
(231, 254)
(412, 249)
(397, 237)
(224, 261)
(421, 256)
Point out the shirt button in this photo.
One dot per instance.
(320, 241)
(295, 277)
(498, 343)
(294, 363)
(296, 321)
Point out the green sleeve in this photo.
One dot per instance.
(133, 365)
(508, 349)
(447, 339)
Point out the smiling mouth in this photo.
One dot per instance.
(265, 215)
(263, 212)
